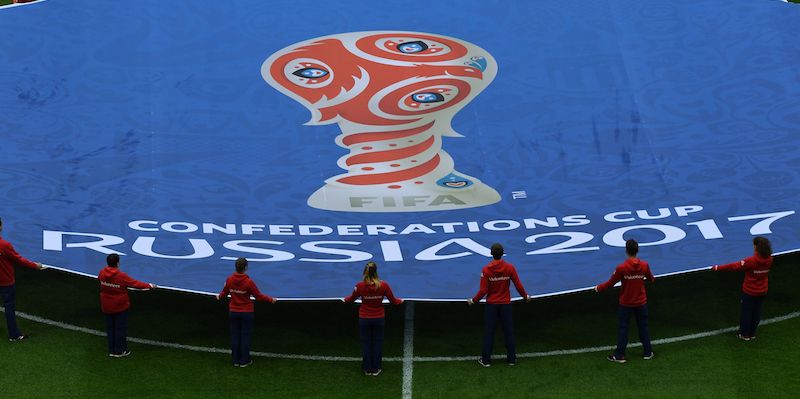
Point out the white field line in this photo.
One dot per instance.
(393, 359)
(408, 351)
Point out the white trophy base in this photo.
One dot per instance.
(408, 198)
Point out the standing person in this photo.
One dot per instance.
(754, 287)
(496, 278)
(632, 299)
(241, 311)
(8, 258)
(371, 316)
(114, 303)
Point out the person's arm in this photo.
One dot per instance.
(615, 278)
(16, 258)
(649, 275)
(133, 283)
(481, 291)
(258, 295)
(735, 266)
(352, 297)
(225, 291)
(389, 295)
(518, 284)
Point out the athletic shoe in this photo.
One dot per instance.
(512, 363)
(743, 338)
(480, 361)
(20, 338)
(646, 357)
(616, 359)
(246, 364)
(236, 365)
(376, 372)
(367, 372)
(126, 353)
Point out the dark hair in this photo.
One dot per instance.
(112, 260)
(371, 274)
(241, 265)
(631, 247)
(763, 247)
(497, 251)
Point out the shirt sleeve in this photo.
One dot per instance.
(18, 259)
(390, 295)
(258, 295)
(483, 289)
(649, 275)
(225, 290)
(353, 296)
(518, 284)
(735, 266)
(129, 281)
(615, 278)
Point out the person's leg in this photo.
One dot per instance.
(248, 319)
(746, 317)
(490, 323)
(758, 301)
(624, 315)
(235, 321)
(365, 335)
(377, 344)
(121, 332)
(110, 332)
(9, 293)
(508, 333)
(642, 315)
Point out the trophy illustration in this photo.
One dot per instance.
(393, 95)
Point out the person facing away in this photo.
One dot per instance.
(632, 299)
(8, 259)
(754, 287)
(496, 279)
(241, 312)
(114, 303)
(371, 317)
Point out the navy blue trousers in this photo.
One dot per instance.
(371, 334)
(8, 293)
(241, 336)
(493, 313)
(117, 332)
(751, 314)
(624, 313)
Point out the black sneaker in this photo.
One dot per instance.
(246, 364)
(20, 338)
(650, 356)
(616, 359)
(376, 372)
(480, 361)
(743, 338)
(125, 353)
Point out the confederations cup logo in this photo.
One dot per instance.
(393, 95)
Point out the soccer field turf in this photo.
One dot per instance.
(61, 363)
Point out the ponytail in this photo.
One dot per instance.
(371, 274)
(763, 247)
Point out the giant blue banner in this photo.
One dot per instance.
(314, 137)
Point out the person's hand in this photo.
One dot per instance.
(528, 298)
(153, 286)
(217, 296)
(595, 289)
(39, 266)
(470, 302)
(401, 301)
(273, 300)
(715, 267)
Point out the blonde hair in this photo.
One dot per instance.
(371, 274)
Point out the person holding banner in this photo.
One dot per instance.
(241, 312)
(8, 259)
(371, 316)
(114, 303)
(754, 287)
(496, 279)
(633, 273)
